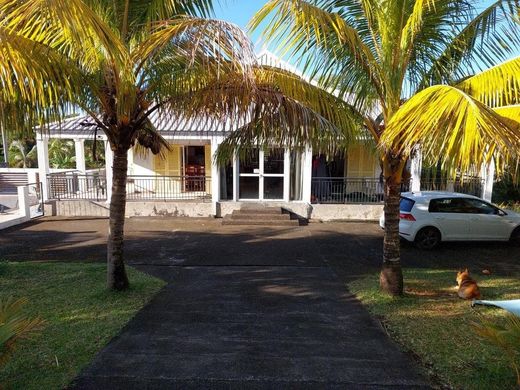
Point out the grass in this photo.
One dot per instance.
(80, 315)
(433, 323)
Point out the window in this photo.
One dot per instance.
(476, 206)
(461, 205)
(406, 205)
(446, 205)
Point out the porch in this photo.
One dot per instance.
(76, 185)
(187, 180)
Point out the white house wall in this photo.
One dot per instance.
(142, 165)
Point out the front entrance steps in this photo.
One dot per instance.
(260, 216)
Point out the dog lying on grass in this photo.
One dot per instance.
(467, 287)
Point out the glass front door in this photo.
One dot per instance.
(261, 175)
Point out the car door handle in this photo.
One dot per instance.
(440, 218)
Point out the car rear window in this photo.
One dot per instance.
(406, 205)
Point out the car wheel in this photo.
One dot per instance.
(515, 237)
(427, 238)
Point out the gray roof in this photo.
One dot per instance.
(84, 126)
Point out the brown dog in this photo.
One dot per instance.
(468, 288)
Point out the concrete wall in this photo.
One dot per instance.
(86, 208)
(76, 208)
(20, 215)
(350, 212)
(318, 212)
(169, 209)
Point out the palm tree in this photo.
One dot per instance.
(121, 61)
(22, 154)
(378, 54)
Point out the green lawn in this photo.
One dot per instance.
(81, 317)
(432, 322)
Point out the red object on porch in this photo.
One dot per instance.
(195, 178)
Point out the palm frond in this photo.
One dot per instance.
(452, 125)
(414, 23)
(69, 26)
(185, 40)
(510, 112)
(278, 105)
(505, 336)
(308, 31)
(14, 325)
(488, 37)
(497, 86)
(285, 110)
(138, 17)
(37, 83)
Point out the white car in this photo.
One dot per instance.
(429, 217)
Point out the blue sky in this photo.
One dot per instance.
(241, 11)
(238, 11)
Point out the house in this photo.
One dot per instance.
(188, 182)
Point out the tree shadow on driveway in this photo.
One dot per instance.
(351, 249)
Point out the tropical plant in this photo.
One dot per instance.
(379, 54)
(61, 154)
(14, 326)
(506, 336)
(22, 153)
(122, 61)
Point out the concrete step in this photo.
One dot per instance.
(260, 216)
(259, 210)
(259, 222)
(248, 216)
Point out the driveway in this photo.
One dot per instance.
(246, 307)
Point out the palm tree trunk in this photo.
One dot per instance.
(116, 273)
(391, 278)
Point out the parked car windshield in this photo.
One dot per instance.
(406, 204)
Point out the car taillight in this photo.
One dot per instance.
(406, 217)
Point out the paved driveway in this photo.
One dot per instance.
(246, 307)
(351, 248)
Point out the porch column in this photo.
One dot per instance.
(109, 161)
(81, 166)
(42, 149)
(307, 175)
(215, 177)
(415, 170)
(79, 148)
(287, 175)
(488, 174)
